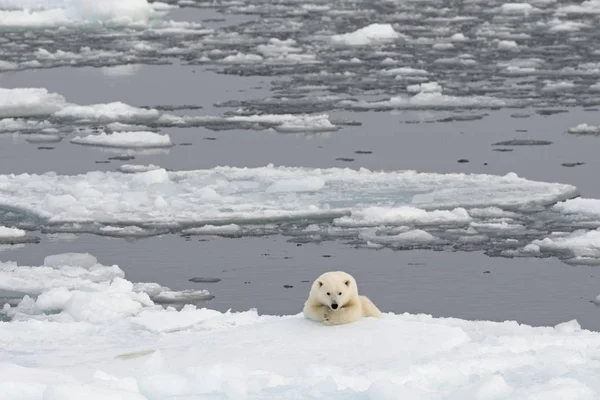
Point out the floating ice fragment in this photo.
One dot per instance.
(137, 139)
(372, 34)
(585, 129)
(106, 113)
(11, 233)
(29, 102)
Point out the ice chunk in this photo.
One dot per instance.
(371, 34)
(106, 113)
(29, 102)
(517, 8)
(35, 280)
(507, 45)
(83, 260)
(585, 129)
(580, 206)
(375, 216)
(558, 86)
(229, 229)
(311, 184)
(581, 243)
(137, 139)
(429, 100)
(19, 125)
(132, 169)
(11, 233)
(429, 87)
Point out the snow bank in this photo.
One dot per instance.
(260, 195)
(372, 34)
(136, 139)
(141, 351)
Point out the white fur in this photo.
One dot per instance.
(343, 291)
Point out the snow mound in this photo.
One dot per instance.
(226, 195)
(372, 34)
(136, 139)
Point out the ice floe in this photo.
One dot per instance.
(144, 351)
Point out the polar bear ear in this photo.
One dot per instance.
(347, 283)
(320, 283)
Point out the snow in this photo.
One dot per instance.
(136, 139)
(238, 195)
(116, 343)
(10, 233)
(371, 34)
(585, 129)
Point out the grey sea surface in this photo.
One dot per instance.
(254, 273)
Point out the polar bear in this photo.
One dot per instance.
(334, 300)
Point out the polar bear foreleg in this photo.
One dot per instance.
(346, 314)
(316, 312)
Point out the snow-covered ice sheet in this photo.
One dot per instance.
(116, 343)
(247, 195)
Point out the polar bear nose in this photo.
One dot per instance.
(334, 306)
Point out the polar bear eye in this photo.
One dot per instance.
(340, 293)
(328, 294)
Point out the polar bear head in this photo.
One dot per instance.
(334, 289)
